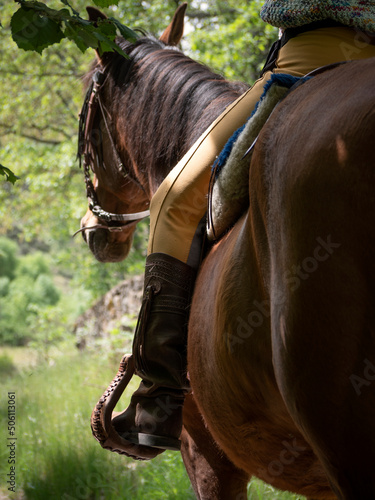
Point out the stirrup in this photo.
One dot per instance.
(101, 418)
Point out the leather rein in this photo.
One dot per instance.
(88, 150)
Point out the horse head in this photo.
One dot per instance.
(120, 190)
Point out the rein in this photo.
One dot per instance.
(88, 150)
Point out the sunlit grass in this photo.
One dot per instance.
(258, 490)
(57, 457)
(21, 357)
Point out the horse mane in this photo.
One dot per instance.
(162, 98)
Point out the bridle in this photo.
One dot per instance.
(88, 151)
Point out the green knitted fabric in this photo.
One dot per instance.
(293, 13)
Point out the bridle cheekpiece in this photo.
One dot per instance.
(88, 151)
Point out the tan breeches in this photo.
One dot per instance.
(181, 200)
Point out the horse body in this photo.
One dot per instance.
(332, 308)
(290, 294)
(232, 374)
(281, 350)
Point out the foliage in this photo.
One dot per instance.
(40, 99)
(230, 36)
(26, 288)
(36, 26)
(8, 174)
(49, 325)
(8, 259)
(57, 456)
(33, 265)
(7, 367)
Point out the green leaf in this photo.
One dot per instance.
(126, 32)
(81, 35)
(9, 175)
(32, 30)
(105, 3)
(107, 28)
(64, 14)
(107, 45)
(65, 2)
(36, 26)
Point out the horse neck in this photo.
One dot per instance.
(168, 103)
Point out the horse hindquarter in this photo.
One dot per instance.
(231, 371)
(317, 162)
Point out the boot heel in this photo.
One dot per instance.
(163, 442)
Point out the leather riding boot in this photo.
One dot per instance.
(154, 416)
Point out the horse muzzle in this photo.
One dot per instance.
(107, 243)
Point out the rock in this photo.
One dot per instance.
(115, 312)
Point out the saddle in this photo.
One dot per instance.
(228, 195)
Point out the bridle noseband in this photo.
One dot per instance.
(88, 150)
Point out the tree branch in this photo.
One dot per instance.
(15, 72)
(54, 129)
(206, 14)
(50, 142)
(9, 130)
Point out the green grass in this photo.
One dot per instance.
(57, 458)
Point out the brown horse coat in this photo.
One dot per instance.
(281, 339)
(281, 347)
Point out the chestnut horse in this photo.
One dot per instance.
(281, 350)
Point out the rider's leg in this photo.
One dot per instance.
(154, 416)
(176, 211)
(181, 200)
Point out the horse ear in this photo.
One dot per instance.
(95, 14)
(173, 34)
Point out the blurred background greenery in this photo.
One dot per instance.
(43, 271)
(47, 279)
